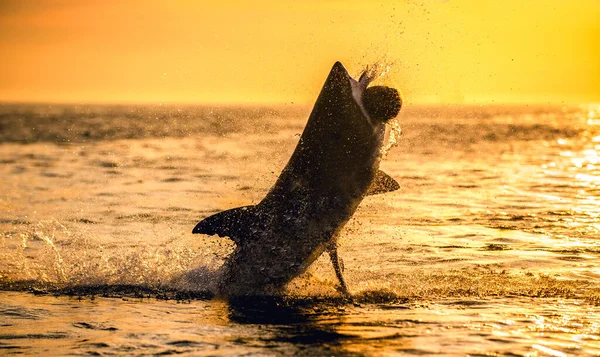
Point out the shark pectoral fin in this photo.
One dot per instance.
(382, 183)
(233, 223)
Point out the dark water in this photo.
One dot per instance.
(491, 247)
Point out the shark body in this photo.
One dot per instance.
(334, 166)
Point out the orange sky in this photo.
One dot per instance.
(280, 51)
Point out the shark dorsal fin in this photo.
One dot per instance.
(234, 223)
(382, 183)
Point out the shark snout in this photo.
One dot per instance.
(382, 103)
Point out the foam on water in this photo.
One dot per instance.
(88, 268)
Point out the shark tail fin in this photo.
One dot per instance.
(382, 183)
(234, 223)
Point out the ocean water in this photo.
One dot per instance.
(490, 248)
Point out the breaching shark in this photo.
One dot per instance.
(334, 166)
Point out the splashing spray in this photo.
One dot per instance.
(393, 136)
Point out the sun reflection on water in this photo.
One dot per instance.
(593, 114)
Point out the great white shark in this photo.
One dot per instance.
(334, 166)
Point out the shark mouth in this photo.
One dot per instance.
(378, 103)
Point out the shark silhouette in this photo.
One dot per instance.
(334, 166)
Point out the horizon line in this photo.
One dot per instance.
(278, 103)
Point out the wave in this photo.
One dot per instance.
(72, 123)
(67, 123)
(415, 287)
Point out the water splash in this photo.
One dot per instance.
(48, 254)
(41, 234)
(393, 136)
(31, 259)
(379, 70)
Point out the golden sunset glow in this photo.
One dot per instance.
(452, 51)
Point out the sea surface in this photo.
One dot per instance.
(490, 248)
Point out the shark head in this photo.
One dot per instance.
(378, 104)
